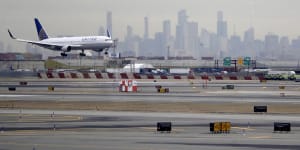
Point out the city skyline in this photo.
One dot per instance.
(205, 19)
(266, 16)
(189, 41)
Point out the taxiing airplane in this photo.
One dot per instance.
(66, 44)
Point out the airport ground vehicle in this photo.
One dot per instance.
(228, 86)
(280, 77)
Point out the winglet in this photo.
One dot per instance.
(11, 35)
(108, 33)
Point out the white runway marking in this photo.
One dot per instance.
(210, 116)
(17, 95)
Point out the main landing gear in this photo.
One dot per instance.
(63, 54)
(101, 50)
(82, 53)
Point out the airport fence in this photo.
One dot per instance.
(100, 75)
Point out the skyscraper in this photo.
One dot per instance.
(187, 36)
(192, 39)
(221, 25)
(271, 45)
(129, 32)
(159, 45)
(166, 37)
(146, 28)
(284, 43)
(249, 47)
(204, 43)
(296, 43)
(235, 46)
(249, 36)
(182, 17)
(222, 45)
(131, 43)
(181, 30)
(109, 21)
(167, 30)
(284, 46)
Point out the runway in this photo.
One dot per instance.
(179, 91)
(79, 115)
(131, 130)
(213, 96)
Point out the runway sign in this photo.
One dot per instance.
(50, 88)
(279, 126)
(164, 126)
(260, 108)
(220, 127)
(11, 88)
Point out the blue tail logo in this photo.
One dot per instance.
(40, 30)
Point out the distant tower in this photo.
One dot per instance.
(271, 44)
(220, 15)
(249, 35)
(182, 17)
(181, 30)
(167, 30)
(109, 21)
(166, 38)
(221, 25)
(146, 28)
(129, 32)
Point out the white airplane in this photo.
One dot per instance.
(66, 44)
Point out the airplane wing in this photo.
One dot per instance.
(53, 46)
(27, 41)
(41, 44)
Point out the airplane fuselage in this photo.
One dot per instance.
(86, 42)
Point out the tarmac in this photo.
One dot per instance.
(80, 115)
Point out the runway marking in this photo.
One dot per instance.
(54, 146)
(17, 95)
(152, 128)
(260, 137)
(47, 118)
(148, 128)
(40, 118)
(19, 132)
(250, 129)
(180, 130)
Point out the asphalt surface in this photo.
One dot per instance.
(66, 130)
(250, 91)
(271, 97)
(36, 129)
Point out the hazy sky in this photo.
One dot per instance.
(83, 17)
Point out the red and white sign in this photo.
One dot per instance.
(128, 86)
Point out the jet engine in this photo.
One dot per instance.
(66, 48)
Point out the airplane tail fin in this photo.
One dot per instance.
(40, 30)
